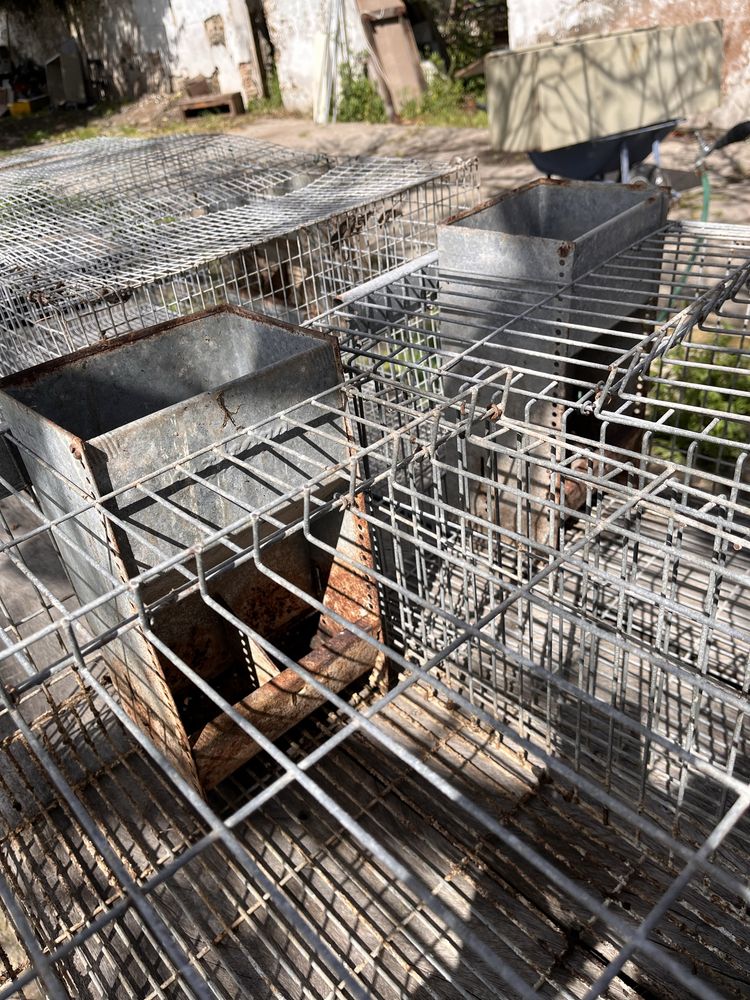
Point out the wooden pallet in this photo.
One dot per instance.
(230, 104)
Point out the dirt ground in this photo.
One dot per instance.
(729, 169)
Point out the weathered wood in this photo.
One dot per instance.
(233, 103)
(265, 668)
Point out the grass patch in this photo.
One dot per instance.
(359, 100)
(699, 378)
(446, 101)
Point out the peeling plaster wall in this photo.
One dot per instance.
(194, 52)
(145, 45)
(533, 21)
(293, 26)
(129, 37)
(155, 45)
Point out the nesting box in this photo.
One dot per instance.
(146, 436)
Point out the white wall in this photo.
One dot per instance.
(34, 33)
(532, 21)
(149, 45)
(145, 45)
(293, 26)
(191, 52)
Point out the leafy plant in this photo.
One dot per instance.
(359, 100)
(446, 101)
(273, 102)
(700, 378)
(469, 29)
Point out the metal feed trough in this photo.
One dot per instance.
(542, 787)
(110, 238)
(112, 415)
(546, 234)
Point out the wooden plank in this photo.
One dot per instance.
(233, 102)
(377, 10)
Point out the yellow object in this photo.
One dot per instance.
(28, 105)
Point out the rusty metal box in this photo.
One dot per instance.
(146, 437)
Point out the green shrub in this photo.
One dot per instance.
(274, 100)
(716, 369)
(470, 28)
(446, 102)
(359, 100)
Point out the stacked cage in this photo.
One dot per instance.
(107, 240)
(481, 730)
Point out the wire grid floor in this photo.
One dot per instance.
(550, 800)
(381, 928)
(107, 240)
(539, 717)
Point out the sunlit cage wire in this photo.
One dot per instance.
(646, 354)
(399, 838)
(121, 234)
(535, 784)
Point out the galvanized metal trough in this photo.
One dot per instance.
(525, 277)
(196, 401)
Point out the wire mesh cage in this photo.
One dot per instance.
(652, 361)
(537, 784)
(108, 239)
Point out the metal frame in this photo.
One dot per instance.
(549, 796)
(105, 241)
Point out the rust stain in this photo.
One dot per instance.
(229, 415)
(467, 213)
(282, 702)
(29, 375)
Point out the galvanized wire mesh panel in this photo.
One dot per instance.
(184, 171)
(107, 240)
(543, 800)
(538, 782)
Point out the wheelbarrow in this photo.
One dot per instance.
(622, 152)
(593, 160)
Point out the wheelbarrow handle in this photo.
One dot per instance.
(737, 133)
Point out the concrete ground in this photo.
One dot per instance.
(729, 169)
